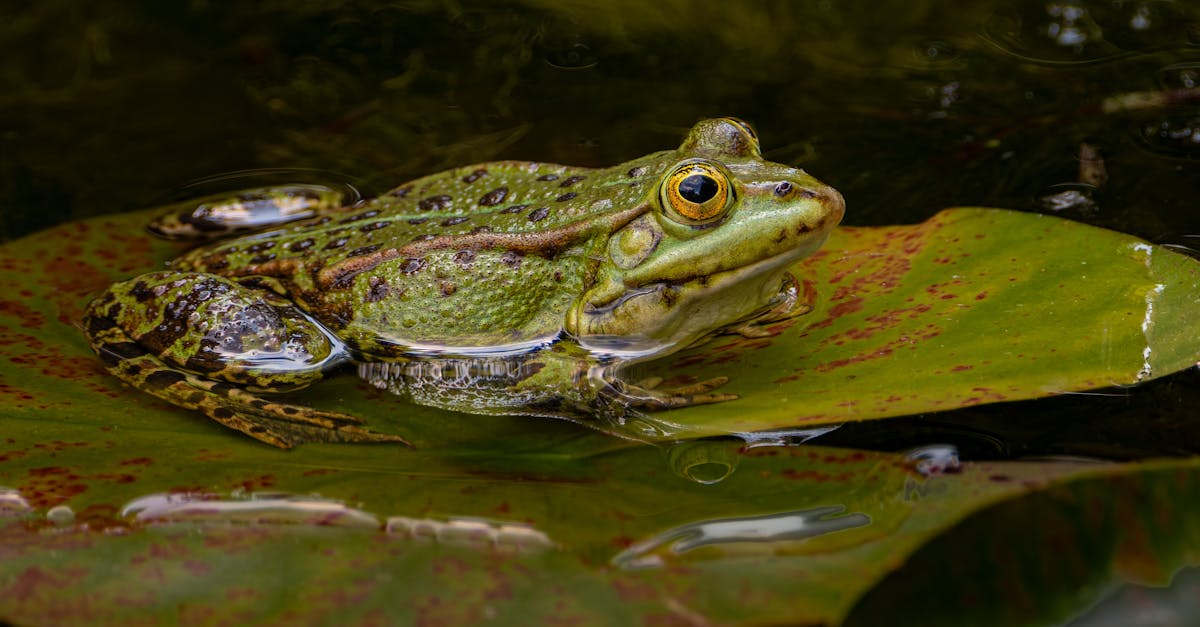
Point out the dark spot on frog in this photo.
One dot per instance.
(289, 410)
(254, 283)
(782, 236)
(216, 264)
(378, 290)
(448, 288)
(494, 197)
(99, 324)
(567, 196)
(365, 250)
(400, 192)
(113, 353)
(454, 220)
(418, 220)
(257, 429)
(303, 244)
(558, 276)
(474, 176)
(514, 209)
(262, 258)
(337, 243)
(480, 229)
(464, 257)
(141, 292)
(164, 378)
(804, 228)
(511, 259)
(571, 180)
(636, 172)
(360, 216)
(222, 413)
(374, 226)
(261, 246)
(317, 222)
(423, 237)
(221, 388)
(548, 177)
(412, 266)
(195, 396)
(539, 214)
(439, 202)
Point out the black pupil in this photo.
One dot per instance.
(698, 188)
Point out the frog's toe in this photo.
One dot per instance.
(653, 397)
(280, 424)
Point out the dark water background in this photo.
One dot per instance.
(906, 107)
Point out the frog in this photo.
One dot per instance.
(506, 287)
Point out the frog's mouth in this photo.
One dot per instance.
(658, 318)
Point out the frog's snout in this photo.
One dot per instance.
(832, 200)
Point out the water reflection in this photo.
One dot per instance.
(282, 508)
(935, 459)
(784, 526)
(256, 508)
(1084, 31)
(507, 537)
(704, 461)
(12, 504)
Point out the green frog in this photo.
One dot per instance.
(505, 288)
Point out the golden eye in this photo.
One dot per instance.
(696, 191)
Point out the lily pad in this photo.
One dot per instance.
(793, 535)
(972, 306)
(524, 519)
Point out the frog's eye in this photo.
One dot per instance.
(696, 192)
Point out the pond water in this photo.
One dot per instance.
(1088, 110)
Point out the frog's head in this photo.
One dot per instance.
(713, 249)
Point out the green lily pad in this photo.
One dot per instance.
(972, 306)
(792, 535)
(121, 508)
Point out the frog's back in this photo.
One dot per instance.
(480, 256)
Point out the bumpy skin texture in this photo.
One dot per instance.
(507, 287)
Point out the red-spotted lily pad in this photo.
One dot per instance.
(972, 306)
(116, 508)
(799, 535)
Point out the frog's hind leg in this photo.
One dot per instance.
(132, 353)
(222, 215)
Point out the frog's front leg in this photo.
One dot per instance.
(203, 342)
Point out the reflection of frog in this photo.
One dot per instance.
(507, 287)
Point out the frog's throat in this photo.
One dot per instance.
(547, 243)
(659, 318)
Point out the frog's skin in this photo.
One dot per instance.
(508, 287)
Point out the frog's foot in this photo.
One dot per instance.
(222, 215)
(145, 334)
(646, 394)
(278, 424)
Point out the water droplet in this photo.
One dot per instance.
(934, 459)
